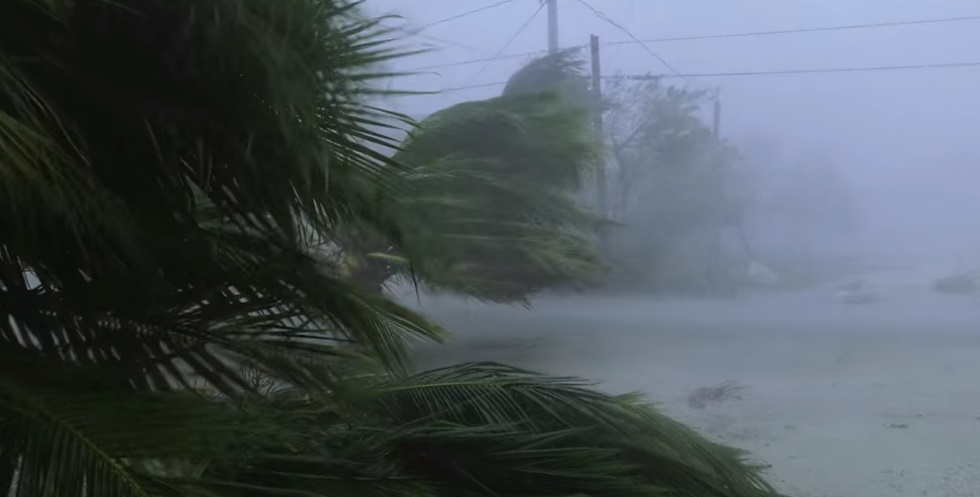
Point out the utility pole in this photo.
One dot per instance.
(716, 122)
(716, 264)
(597, 123)
(552, 25)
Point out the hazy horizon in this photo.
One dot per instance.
(902, 139)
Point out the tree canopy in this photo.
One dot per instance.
(488, 208)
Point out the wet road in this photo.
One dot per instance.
(868, 400)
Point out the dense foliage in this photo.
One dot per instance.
(488, 208)
(175, 176)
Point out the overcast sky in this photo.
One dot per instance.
(908, 140)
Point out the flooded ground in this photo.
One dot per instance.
(870, 400)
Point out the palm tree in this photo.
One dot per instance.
(164, 169)
(488, 208)
(171, 326)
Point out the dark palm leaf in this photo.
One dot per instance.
(488, 430)
(633, 447)
(164, 172)
(164, 165)
(70, 431)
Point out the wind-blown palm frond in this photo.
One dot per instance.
(487, 209)
(69, 431)
(627, 439)
(560, 71)
(164, 170)
(488, 430)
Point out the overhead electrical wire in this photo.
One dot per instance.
(941, 65)
(803, 30)
(909, 67)
(723, 36)
(511, 39)
(462, 15)
(440, 40)
(471, 87)
(609, 20)
(678, 74)
(486, 59)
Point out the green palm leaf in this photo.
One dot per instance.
(619, 444)
(69, 431)
(165, 176)
(486, 430)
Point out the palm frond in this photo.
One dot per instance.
(487, 430)
(69, 431)
(636, 449)
(165, 176)
(560, 72)
(165, 170)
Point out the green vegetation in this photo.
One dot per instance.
(177, 180)
(487, 207)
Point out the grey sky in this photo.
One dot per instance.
(903, 138)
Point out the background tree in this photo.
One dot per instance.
(166, 209)
(673, 182)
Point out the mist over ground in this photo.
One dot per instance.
(840, 400)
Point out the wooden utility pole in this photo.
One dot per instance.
(597, 123)
(552, 25)
(716, 264)
(716, 122)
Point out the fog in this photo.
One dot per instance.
(904, 138)
(835, 400)
(873, 400)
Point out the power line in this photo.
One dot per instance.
(803, 30)
(461, 15)
(803, 71)
(441, 40)
(719, 36)
(638, 77)
(486, 59)
(472, 87)
(604, 17)
(511, 39)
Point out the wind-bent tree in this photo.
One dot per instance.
(488, 207)
(172, 172)
(671, 185)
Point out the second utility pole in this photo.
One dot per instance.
(597, 107)
(552, 25)
(716, 117)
